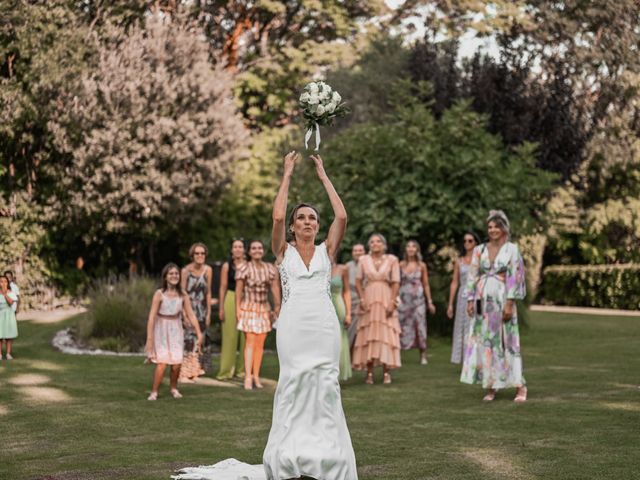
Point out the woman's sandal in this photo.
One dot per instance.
(256, 382)
(386, 378)
(490, 396)
(369, 379)
(175, 393)
(153, 396)
(521, 395)
(248, 383)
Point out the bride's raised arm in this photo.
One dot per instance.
(339, 224)
(279, 231)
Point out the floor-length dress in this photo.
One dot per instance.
(462, 320)
(412, 311)
(352, 267)
(492, 354)
(341, 310)
(378, 338)
(197, 286)
(309, 435)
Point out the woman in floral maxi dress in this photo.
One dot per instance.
(415, 298)
(496, 280)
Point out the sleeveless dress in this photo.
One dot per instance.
(168, 334)
(197, 291)
(341, 310)
(309, 435)
(412, 311)
(8, 323)
(461, 321)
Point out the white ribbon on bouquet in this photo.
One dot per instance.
(307, 136)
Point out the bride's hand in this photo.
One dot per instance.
(319, 165)
(290, 162)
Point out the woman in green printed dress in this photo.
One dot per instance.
(496, 280)
(341, 298)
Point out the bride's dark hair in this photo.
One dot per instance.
(292, 217)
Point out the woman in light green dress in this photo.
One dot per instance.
(8, 323)
(341, 298)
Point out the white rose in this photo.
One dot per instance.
(336, 98)
(325, 95)
(320, 110)
(313, 88)
(305, 97)
(330, 108)
(313, 99)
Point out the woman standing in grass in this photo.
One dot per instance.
(233, 340)
(165, 335)
(8, 323)
(341, 298)
(415, 299)
(458, 284)
(196, 282)
(378, 338)
(496, 280)
(254, 280)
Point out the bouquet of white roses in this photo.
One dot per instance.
(320, 105)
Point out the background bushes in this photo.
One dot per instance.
(117, 317)
(604, 286)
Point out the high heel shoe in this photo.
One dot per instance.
(386, 378)
(175, 393)
(248, 383)
(256, 382)
(153, 396)
(369, 379)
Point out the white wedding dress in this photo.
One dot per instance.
(309, 434)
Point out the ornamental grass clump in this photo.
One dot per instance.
(118, 313)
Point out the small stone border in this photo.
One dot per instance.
(65, 342)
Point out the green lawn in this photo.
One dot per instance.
(68, 417)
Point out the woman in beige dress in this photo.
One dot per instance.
(378, 338)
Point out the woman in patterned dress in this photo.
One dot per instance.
(460, 273)
(231, 363)
(414, 289)
(378, 337)
(196, 282)
(165, 334)
(341, 298)
(496, 280)
(254, 280)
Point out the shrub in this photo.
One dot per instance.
(604, 286)
(117, 317)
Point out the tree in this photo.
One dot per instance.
(521, 106)
(151, 137)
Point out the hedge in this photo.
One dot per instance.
(603, 286)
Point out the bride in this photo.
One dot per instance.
(309, 436)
